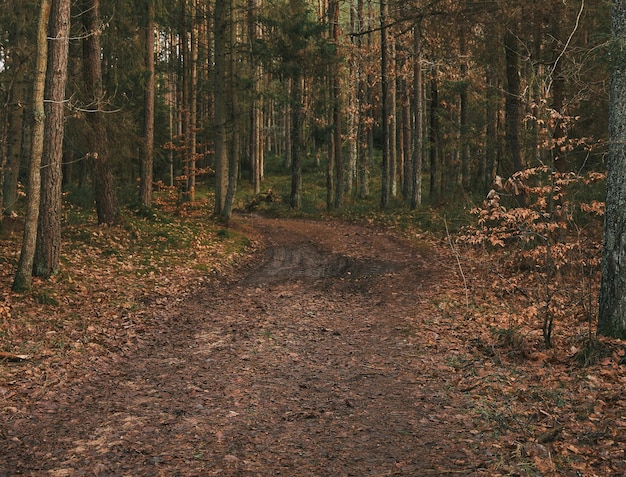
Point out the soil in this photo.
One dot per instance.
(319, 357)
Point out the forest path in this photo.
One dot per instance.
(321, 358)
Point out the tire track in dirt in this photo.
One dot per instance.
(320, 359)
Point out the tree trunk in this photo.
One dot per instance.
(16, 137)
(192, 145)
(512, 105)
(147, 160)
(418, 117)
(48, 249)
(221, 150)
(336, 102)
(435, 183)
(296, 142)
(385, 188)
(464, 116)
(612, 299)
(106, 200)
(23, 277)
(233, 114)
(558, 91)
(256, 112)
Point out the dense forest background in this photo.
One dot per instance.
(426, 102)
(485, 114)
(473, 136)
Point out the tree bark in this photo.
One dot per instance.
(48, 249)
(106, 198)
(418, 118)
(512, 104)
(17, 140)
(296, 141)
(435, 182)
(147, 160)
(612, 299)
(385, 189)
(23, 277)
(221, 151)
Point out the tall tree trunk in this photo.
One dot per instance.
(233, 114)
(106, 199)
(612, 299)
(18, 65)
(393, 118)
(464, 116)
(336, 101)
(418, 118)
(23, 277)
(363, 106)
(558, 91)
(435, 183)
(491, 139)
(256, 111)
(147, 160)
(296, 141)
(221, 149)
(48, 249)
(512, 105)
(385, 188)
(192, 145)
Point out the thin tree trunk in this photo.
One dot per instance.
(385, 189)
(23, 277)
(336, 101)
(418, 117)
(233, 114)
(221, 149)
(558, 92)
(192, 145)
(256, 112)
(147, 160)
(464, 117)
(435, 182)
(296, 142)
(512, 106)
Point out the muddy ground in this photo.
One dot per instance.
(320, 357)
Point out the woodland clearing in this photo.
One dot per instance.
(322, 349)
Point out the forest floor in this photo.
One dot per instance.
(331, 350)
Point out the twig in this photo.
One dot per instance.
(458, 262)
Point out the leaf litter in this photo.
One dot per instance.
(223, 361)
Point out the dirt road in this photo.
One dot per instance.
(321, 358)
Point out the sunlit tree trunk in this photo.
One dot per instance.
(192, 106)
(147, 160)
(48, 249)
(418, 118)
(23, 277)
